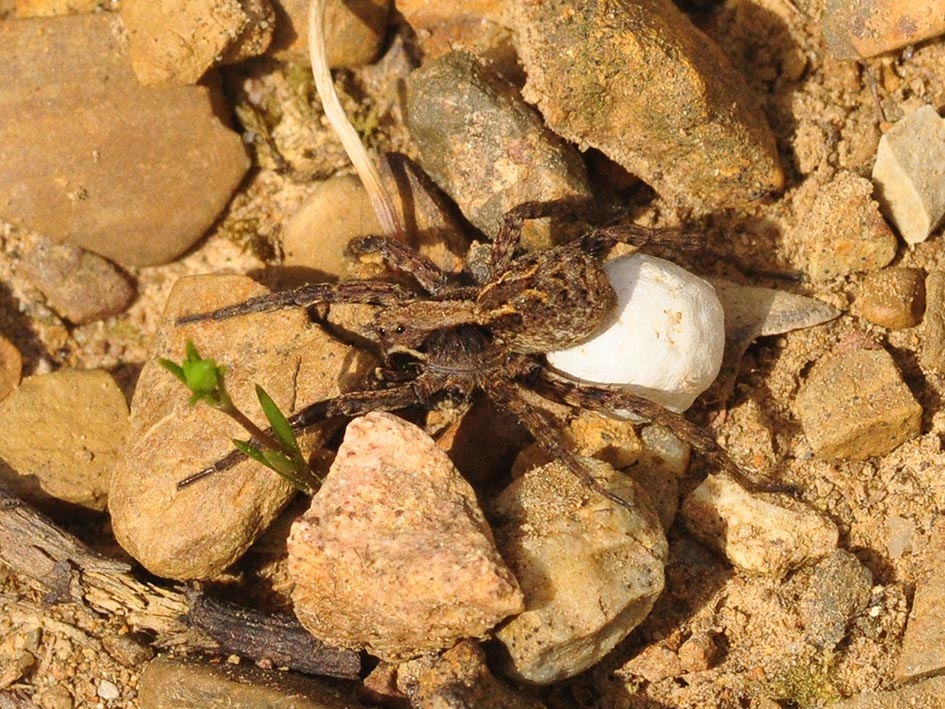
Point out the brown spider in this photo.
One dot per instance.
(446, 341)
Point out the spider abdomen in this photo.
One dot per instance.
(547, 300)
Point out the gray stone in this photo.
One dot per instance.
(838, 588)
(590, 569)
(62, 433)
(908, 174)
(485, 146)
(394, 555)
(639, 82)
(79, 285)
(90, 157)
(191, 684)
(760, 533)
(198, 531)
(854, 405)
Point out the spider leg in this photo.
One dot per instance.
(547, 431)
(510, 231)
(606, 398)
(398, 255)
(370, 292)
(351, 404)
(599, 242)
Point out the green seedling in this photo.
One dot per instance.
(277, 448)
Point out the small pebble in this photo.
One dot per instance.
(457, 679)
(892, 298)
(590, 570)
(857, 29)
(841, 227)
(668, 338)
(354, 31)
(486, 147)
(908, 175)
(126, 650)
(900, 537)
(394, 555)
(640, 83)
(92, 158)
(923, 653)
(178, 42)
(62, 433)
(653, 663)
(11, 367)
(166, 683)
(854, 405)
(81, 286)
(199, 531)
(838, 589)
(107, 690)
(768, 534)
(699, 652)
(932, 354)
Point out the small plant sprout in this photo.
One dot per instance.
(277, 450)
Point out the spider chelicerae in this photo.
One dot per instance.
(447, 338)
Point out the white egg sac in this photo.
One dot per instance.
(666, 340)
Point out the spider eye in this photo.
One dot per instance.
(400, 329)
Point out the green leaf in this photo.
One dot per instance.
(173, 368)
(280, 424)
(251, 451)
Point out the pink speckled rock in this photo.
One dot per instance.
(394, 555)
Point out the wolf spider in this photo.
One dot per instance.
(444, 340)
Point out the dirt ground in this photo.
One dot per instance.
(828, 116)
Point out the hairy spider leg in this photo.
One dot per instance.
(369, 292)
(547, 430)
(351, 404)
(403, 258)
(510, 231)
(606, 399)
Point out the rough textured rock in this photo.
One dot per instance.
(198, 531)
(590, 569)
(457, 679)
(856, 29)
(838, 588)
(339, 209)
(841, 228)
(11, 367)
(90, 157)
(51, 8)
(191, 684)
(354, 31)
(424, 14)
(767, 534)
(908, 174)
(932, 354)
(639, 82)
(893, 297)
(485, 146)
(923, 653)
(177, 41)
(921, 695)
(394, 555)
(79, 285)
(62, 433)
(854, 405)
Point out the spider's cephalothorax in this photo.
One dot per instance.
(444, 340)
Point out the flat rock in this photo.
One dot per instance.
(458, 678)
(841, 227)
(192, 684)
(908, 174)
(354, 31)
(760, 533)
(178, 41)
(198, 531)
(639, 82)
(11, 367)
(854, 405)
(62, 433)
(394, 556)
(485, 146)
(79, 285)
(90, 157)
(932, 354)
(857, 29)
(838, 588)
(923, 653)
(892, 298)
(590, 569)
